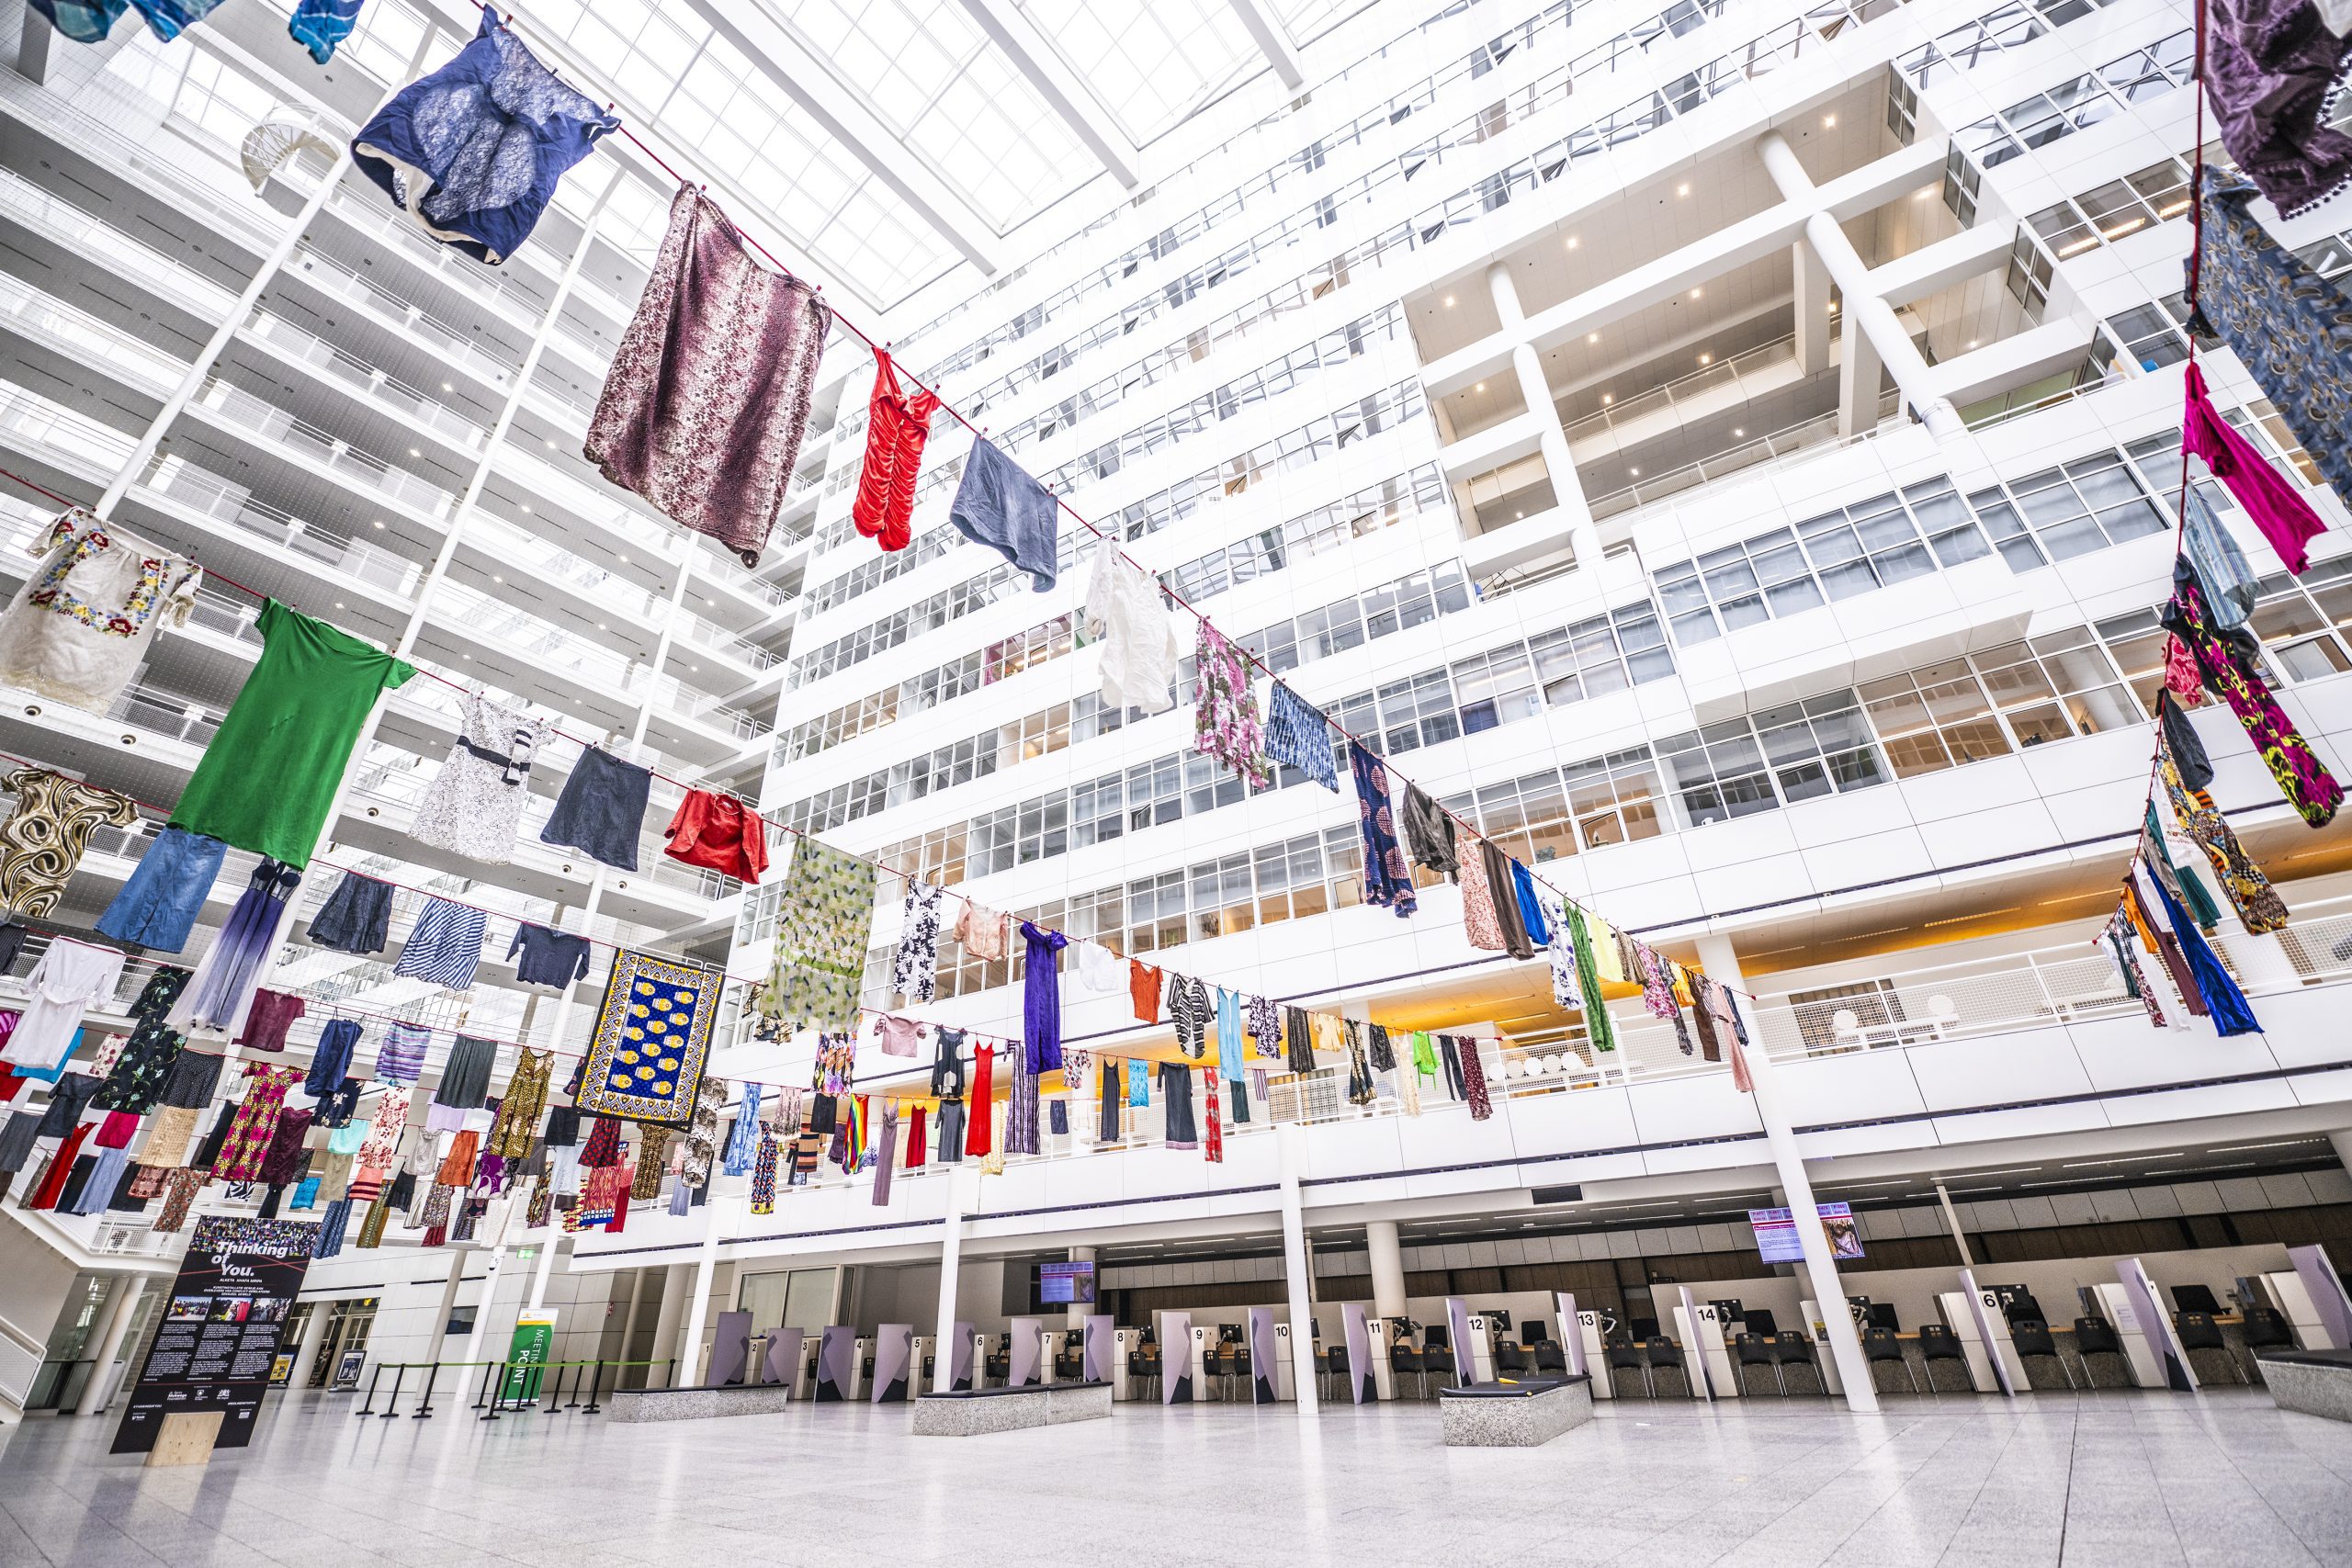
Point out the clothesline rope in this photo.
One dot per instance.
(2180, 521)
(881, 348)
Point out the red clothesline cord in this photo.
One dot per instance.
(2180, 523)
(881, 349)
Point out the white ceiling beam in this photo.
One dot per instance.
(1036, 58)
(813, 89)
(1272, 42)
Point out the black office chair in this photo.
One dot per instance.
(1338, 1366)
(1624, 1355)
(2266, 1328)
(1881, 1345)
(1513, 1360)
(2031, 1337)
(2197, 1331)
(1550, 1357)
(2095, 1336)
(930, 1367)
(1753, 1350)
(1242, 1371)
(1138, 1371)
(1938, 1343)
(1792, 1349)
(1664, 1356)
(1404, 1361)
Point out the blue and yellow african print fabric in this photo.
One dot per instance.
(645, 1061)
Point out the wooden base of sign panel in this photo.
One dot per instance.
(186, 1439)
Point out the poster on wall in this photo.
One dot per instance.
(1776, 1233)
(223, 1329)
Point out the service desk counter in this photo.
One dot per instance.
(974, 1413)
(1513, 1414)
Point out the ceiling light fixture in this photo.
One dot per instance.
(1636, 472)
(1706, 360)
(1829, 120)
(1574, 241)
(1449, 301)
(1607, 398)
(1592, 337)
(1682, 190)
(1737, 433)
(1696, 292)
(1482, 386)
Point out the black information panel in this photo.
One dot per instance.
(220, 1329)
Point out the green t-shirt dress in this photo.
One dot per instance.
(268, 778)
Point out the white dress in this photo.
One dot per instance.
(78, 629)
(70, 976)
(474, 805)
(1140, 651)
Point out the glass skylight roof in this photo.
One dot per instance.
(1148, 66)
(1306, 20)
(735, 119)
(944, 89)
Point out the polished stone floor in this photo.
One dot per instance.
(2137, 1479)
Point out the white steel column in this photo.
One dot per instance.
(200, 371)
(315, 1336)
(1951, 1218)
(121, 1298)
(951, 1264)
(1868, 315)
(1717, 958)
(1813, 320)
(628, 1319)
(706, 1265)
(1584, 539)
(545, 1262)
(434, 1346)
(1289, 1151)
(675, 1284)
(492, 1268)
(1387, 1261)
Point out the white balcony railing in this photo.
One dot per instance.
(2042, 988)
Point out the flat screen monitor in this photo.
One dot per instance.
(1066, 1284)
(1776, 1233)
(2196, 1298)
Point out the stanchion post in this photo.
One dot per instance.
(595, 1391)
(423, 1411)
(391, 1405)
(367, 1405)
(494, 1392)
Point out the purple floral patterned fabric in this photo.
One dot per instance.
(2270, 71)
(704, 408)
(1224, 718)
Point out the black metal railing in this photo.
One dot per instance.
(510, 1386)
